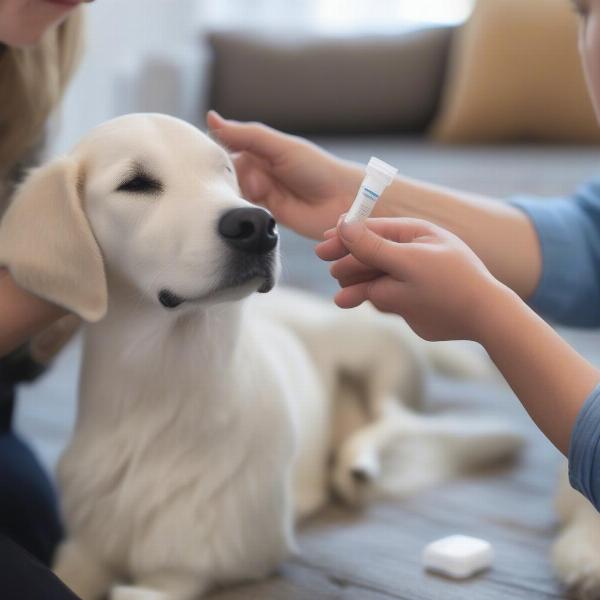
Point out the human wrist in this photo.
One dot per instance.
(406, 197)
(389, 204)
(496, 307)
(350, 176)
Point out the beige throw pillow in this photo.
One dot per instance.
(515, 75)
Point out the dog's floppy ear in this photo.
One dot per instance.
(47, 244)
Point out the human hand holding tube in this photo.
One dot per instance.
(444, 291)
(414, 269)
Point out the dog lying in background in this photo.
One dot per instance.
(210, 417)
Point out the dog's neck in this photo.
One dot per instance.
(173, 369)
(189, 353)
(134, 319)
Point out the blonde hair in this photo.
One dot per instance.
(32, 83)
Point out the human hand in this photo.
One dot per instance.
(22, 314)
(414, 269)
(304, 187)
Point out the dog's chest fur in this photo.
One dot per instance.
(193, 468)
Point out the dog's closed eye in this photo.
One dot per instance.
(140, 183)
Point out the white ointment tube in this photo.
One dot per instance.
(378, 176)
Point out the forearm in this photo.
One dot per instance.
(501, 235)
(21, 314)
(550, 378)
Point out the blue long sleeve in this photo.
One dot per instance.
(569, 233)
(569, 293)
(584, 450)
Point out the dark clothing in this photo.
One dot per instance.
(7, 404)
(28, 508)
(22, 577)
(30, 527)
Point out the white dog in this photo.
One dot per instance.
(206, 419)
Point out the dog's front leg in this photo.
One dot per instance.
(357, 459)
(167, 585)
(79, 570)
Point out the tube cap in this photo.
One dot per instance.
(381, 169)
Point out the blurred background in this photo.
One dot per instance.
(481, 95)
(130, 43)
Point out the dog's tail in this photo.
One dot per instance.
(460, 445)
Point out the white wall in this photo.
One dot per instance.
(121, 36)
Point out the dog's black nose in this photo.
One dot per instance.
(249, 229)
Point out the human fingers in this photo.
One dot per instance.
(256, 138)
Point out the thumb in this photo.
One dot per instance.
(369, 248)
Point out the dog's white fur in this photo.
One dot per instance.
(576, 552)
(203, 430)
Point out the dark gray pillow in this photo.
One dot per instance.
(330, 85)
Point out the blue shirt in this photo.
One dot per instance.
(569, 293)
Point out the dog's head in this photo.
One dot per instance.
(146, 200)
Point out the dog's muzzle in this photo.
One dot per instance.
(252, 237)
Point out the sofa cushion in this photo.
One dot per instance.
(515, 74)
(330, 84)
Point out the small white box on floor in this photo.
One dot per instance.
(458, 556)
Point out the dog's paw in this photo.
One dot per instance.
(577, 563)
(130, 592)
(353, 477)
(585, 589)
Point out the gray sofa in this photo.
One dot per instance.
(342, 85)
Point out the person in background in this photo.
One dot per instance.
(40, 46)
